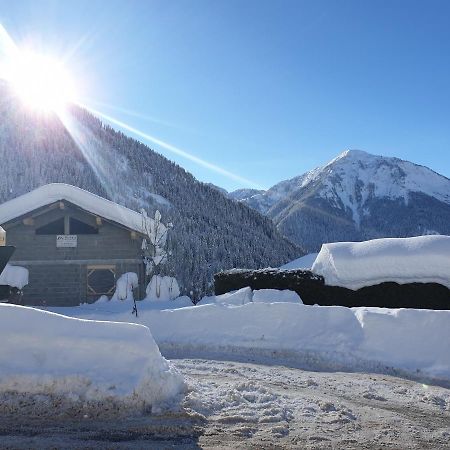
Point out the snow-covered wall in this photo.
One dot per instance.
(422, 259)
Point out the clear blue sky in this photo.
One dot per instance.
(264, 89)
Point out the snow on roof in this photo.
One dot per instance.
(422, 259)
(92, 203)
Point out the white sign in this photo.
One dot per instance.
(66, 240)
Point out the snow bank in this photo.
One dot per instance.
(47, 353)
(423, 259)
(412, 339)
(275, 296)
(14, 276)
(314, 337)
(305, 262)
(124, 287)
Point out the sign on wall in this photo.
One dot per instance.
(66, 240)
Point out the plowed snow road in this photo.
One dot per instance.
(239, 405)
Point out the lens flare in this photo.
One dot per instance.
(173, 149)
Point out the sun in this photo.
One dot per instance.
(41, 82)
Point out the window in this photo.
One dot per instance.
(56, 227)
(78, 227)
(75, 227)
(101, 280)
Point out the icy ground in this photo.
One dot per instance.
(246, 405)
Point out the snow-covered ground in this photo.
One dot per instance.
(396, 341)
(105, 365)
(243, 405)
(70, 379)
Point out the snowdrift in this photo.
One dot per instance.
(50, 354)
(396, 341)
(353, 265)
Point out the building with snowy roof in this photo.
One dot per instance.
(73, 243)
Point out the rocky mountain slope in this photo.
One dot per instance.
(357, 196)
(211, 232)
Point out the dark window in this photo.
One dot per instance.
(56, 227)
(78, 227)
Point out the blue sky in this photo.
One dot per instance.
(264, 89)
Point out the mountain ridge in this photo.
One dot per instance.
(353, 194)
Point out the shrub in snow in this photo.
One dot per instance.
(85, 360)
(162, 288)
(125, 285)
(422, 259)
(155, 256)
(275, 296)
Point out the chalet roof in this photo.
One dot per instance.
(50, 193)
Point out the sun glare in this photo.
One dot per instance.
(41, 82)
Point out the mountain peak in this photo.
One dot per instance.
(358, 196)
(352, 155)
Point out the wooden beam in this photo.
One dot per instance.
(66, 225)
(29, 221)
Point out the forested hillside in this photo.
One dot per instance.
(211, 232)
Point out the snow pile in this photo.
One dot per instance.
(237, 298)
(162, 288)
(14, 276)
(124, 287)
(305, 262)
(246, 295)
(275, 296)
(312, 337)
(423, 259)
(49, 354)
(413, 339)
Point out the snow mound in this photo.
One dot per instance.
(236, 298)
(14, 276)
(50, 354)
(275, 296)
(124, 287)
(305, 262)
(422, 259)
(162, 288)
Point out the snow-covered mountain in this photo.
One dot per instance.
(358, 196)
(211, 232)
